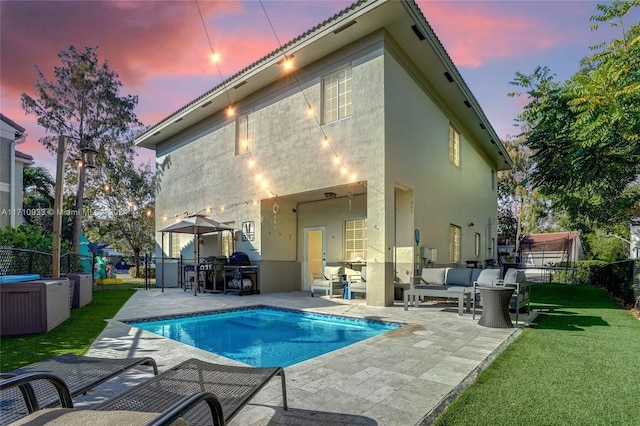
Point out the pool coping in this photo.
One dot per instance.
(130, 321)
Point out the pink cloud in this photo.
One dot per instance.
(475, 33)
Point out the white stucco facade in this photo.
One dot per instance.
(12, 163)
(394, 144)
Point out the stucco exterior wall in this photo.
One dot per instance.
(417, 157)
(396, 141)
(198, 168)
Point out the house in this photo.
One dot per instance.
(370, 148)
(12, 163)
(634, 231)
(538, 250)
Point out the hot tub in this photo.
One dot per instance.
(32, 307)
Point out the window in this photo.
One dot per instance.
(355, 239)
(493, 180)
(246, 133)
(454, 243)
(227, 240)
(477, 245)
(336, 95)
(454, 146)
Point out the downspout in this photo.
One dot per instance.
(20, 138)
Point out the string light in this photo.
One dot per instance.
(287, 63)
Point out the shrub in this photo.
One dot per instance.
(132, 272)
(586, 273)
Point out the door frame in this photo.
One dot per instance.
(305, 256)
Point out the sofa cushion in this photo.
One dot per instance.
(511, 275)
(488, 277)
(330, 271)
(459, 277)
(475, 273)
(433, 276)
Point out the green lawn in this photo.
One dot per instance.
(75, 335)
(579, 365)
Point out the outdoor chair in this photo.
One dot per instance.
(79, 373)
(487, 277)
(357, 282)
(514, 278)
(67, 416)
(331, 281)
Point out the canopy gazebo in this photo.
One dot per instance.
(197, 225)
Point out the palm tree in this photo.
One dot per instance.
(38, 189)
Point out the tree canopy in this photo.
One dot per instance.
(585, 133)
(83, 102)
(125, 204)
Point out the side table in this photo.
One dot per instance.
(495, 307)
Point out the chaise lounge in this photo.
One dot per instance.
(67, 416)
(80, 374)
(178, 387)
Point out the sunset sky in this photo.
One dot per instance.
(161, 52)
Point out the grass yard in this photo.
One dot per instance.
(579, 365)
(75, 335)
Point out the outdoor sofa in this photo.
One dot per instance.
(450, 283)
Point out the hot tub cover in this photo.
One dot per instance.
(7, 279)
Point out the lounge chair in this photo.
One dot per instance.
(80, 373)
(234, 386)
(67, 416)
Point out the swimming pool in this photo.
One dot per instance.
(264, 336)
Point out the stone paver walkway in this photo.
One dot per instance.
(397, 378)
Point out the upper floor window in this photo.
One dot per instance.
(336, 95)
(454, 243)
(355, 239)
(477, 245)
(246, 133)
(454, 146)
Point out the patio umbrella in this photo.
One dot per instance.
(197, 225)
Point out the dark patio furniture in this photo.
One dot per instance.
(234, 387)
(495, 306)
(70, 417)
(79, 374)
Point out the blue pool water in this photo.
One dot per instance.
(264, 336)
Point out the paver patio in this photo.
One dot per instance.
(397, 378)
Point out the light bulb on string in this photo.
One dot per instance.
(215, 57)
(230, 111)
(310, 111)
(325, 142)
